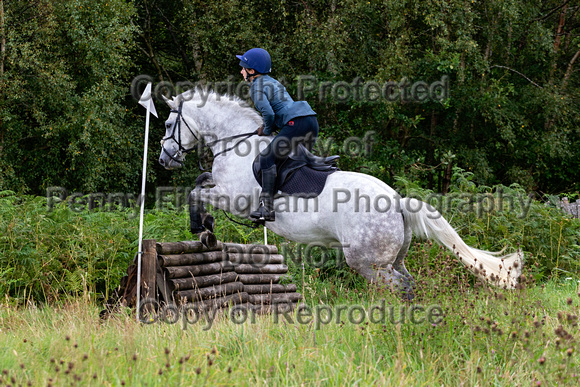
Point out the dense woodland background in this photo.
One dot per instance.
(67, 116)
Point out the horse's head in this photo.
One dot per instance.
(205, 119)
(181, 135)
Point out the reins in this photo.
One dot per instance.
(250, 225)
(183, 150)
(210, 144)
(245, 135)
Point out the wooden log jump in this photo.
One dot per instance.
(202, 281)
(198, 270)
(222, 275)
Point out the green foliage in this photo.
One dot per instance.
(62, 116)
(511, 115)
(45, 254)
(49, 253)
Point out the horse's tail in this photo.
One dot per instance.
(426, 222)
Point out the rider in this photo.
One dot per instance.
(295, 119)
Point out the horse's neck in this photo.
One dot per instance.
(222, 120)
(233, 167)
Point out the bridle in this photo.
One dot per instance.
(177, 127)
(182, 150)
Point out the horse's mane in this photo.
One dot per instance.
(226, 102)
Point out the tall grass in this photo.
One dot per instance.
(523, 337)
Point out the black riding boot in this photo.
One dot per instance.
(265, 213)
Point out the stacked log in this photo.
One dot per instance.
(224, 274)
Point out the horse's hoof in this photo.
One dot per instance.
(208, 222)
(208, 239)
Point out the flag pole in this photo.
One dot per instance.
(147, 101)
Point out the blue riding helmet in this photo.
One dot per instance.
(257, 59)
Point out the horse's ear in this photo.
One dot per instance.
(177, 100)
(169, 102)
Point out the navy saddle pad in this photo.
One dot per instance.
(302, 173)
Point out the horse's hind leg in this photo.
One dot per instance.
(376, 260)
(404, 283)
(393, 278)
(399, 263)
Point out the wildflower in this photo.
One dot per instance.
(542, 360)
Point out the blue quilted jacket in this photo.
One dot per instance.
(275, 104)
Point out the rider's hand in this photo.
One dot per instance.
(261, 130)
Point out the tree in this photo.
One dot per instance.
(62, 93)
(511, 114)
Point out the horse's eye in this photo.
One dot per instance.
(168, 125)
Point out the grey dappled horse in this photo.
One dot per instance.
(368, 218)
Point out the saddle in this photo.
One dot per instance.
(301, 172)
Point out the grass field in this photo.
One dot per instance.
(57, 265)
(523, 337)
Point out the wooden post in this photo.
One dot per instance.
(149, 269)
(163, 286)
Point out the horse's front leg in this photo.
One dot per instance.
(199, 219)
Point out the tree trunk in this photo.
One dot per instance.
(2, 56)
(569, 70)
(561, 24)
(558, 41)
(2, 38)
(430, 160)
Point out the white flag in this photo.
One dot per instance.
(147, 100)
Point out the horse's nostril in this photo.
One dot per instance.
(161, 162)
